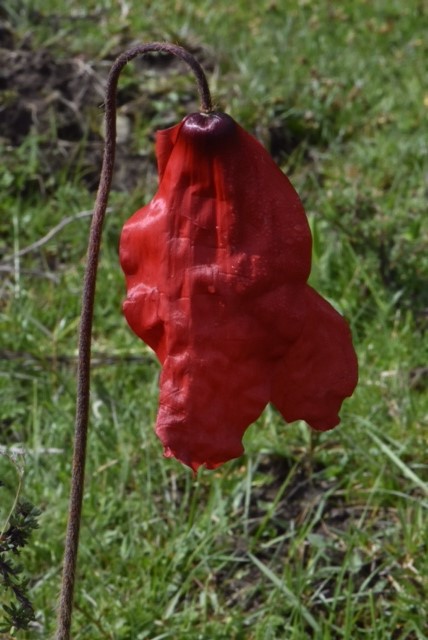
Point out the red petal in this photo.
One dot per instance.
(319, 369)
(216, 268)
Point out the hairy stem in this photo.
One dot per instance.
(86, 318)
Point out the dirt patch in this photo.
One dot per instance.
(59, 102)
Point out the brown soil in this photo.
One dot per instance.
(60, 101)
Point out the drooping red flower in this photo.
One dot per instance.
(216, 268)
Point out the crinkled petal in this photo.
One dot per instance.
(216, 268)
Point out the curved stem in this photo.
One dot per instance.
(85, 331)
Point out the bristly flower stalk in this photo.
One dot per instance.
(87, 311)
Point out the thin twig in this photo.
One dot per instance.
(45, 239)
(17, 450)
(37, 273)
(86, 319)
(97, 359)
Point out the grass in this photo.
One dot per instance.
(321, 536)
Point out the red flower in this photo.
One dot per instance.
(216, 268)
